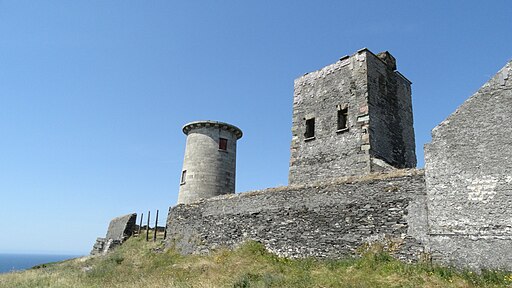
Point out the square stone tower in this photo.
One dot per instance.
(352, 117)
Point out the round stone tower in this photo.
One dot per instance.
(210, 160)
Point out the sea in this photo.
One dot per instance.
(17, 262)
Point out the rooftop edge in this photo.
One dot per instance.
(210, 123)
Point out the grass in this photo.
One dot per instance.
(138, 263)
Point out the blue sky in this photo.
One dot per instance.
(93, 94)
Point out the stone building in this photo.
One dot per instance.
(209, 167)
(468, 169)
(352, 117)
(352, 131)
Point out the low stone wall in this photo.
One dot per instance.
(328, 220)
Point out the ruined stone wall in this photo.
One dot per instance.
(119, 229)
(318, 95)
(469, 180)
(122, 227)
(324, 220)
(390, 110)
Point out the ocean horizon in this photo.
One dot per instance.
(18, 262)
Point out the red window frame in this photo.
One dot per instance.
(223, 144)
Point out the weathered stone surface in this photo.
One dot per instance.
(122, 227)
(467, 197)
(119, 229)
(98, 247)
(469, 179)
(379, 135)
(391, 120)
(323, 220)
(387, 58)
(208, 171)
(104, 245)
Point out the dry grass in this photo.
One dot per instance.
(140, 264)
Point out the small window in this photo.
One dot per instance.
(183, 176)
(223, 144)
(342, 119)
(310, 128)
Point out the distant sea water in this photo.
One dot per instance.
(16, 262)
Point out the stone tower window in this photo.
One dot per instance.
(342, 124)
(223, 144)
(310, 128)
(183, 177)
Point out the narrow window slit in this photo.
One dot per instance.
(342, 124)
(223, 144)
(183, 176)
(310, 128)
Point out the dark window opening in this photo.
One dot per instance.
(310, 128)
(223, 144)
(342, 119)
(183, 176)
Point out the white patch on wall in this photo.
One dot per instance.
(344, 61)
(360, 57)
(482, 189)
(508, 179)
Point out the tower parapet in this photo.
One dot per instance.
(209, 165)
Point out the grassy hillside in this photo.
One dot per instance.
(144, 264)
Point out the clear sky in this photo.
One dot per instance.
(93, 94)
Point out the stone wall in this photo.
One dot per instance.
(391, 128)
(459, 212)
(469, 179)
(119, 229)
(122, 227)
(323, 220)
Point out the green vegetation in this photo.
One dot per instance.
(143, 264)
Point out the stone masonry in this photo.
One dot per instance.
(391, 128)
(119, 229)
(376, 132)
(354, 117)
(352, 136)
(469, 179)
(325, 220)
(209, 165)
